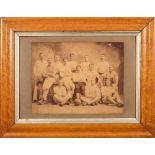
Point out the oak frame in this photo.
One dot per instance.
(8, 128)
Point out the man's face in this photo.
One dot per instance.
(110, 69)
(93, 82)
(49, 61)
(65, 61)
(57, 58)
(39, 86)
(71, 56)
(60, 83)
(108, 83)
(91, 67)
(102, 57)
(86, 58)
(78, 68)
(57, 77)
(41, 56)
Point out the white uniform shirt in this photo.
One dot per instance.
(72, 65)
(40, 67)
(107, 91)
(58, 66)
(50, 70)
(92, 91)
(68, 83)
(92, 75)
(79, 77)
(66, 72)
(84, 66)
(60, 91)
(113, 76)
(102, 67)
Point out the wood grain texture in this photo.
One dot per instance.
(8, 128)
(148, 76)
(77, 24)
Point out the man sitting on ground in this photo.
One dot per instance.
(110, 95)
(92, 94)
(61, 96)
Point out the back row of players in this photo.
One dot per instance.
(80, 84)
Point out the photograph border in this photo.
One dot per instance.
(146, 126)
(137, 34)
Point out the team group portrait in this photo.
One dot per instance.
(77, 75)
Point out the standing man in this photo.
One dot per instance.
(102, 68)
(57, 64)
(85, 64)
(110, 95)
(39, 72)
(72, 63)
(49, 80)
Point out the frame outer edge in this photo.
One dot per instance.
(3, 78)
(147, 77)
(153, 108)
(15, 131)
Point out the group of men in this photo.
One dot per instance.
(70, 82)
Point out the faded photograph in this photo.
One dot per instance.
(77, 77)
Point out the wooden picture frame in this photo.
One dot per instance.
(8, 128)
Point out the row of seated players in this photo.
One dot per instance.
(65, 91)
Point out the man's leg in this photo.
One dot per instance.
(85, 99)
(35, 90)
(46, 86)
(36, 80)
(104, 100)
(100, 80)
(58, 100)
(35, 93)
(95, 100)
(118, 100)
(111, 100)
(82, 88)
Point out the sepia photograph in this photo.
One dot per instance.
(77, 77)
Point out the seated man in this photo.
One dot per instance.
(49, 80)
(61, 96)
(92, 94)
(79, 81)
(110, 95)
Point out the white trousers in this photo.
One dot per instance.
(46, 86)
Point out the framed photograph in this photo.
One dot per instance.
(77, 77)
